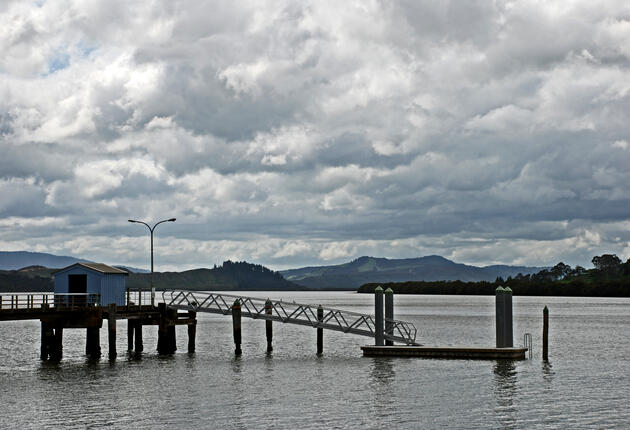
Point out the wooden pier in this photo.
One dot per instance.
(84, 311)
(179, 307)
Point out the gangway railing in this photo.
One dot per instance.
(289, 312)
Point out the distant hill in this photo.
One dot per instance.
(365, 270)
(229, 276)
(31, 278)
(236, 276)
(16, 260)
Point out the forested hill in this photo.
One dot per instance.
(371, 269)
(229, 276)
(609, 278)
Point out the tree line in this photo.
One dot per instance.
(609, 278)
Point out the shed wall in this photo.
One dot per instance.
(113, 289)
(111, 286)
(93, 280)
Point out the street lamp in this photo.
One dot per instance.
(151, 230)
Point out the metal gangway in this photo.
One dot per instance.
(290, 312)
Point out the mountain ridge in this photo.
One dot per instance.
(367, 269)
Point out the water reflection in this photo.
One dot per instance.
(505, 391)
(382, 370)
(381, 387)
(547, 371)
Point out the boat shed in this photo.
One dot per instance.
(92, 278)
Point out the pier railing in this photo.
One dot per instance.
(19, 301)
(289, 312)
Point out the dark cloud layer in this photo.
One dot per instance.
(314, 132)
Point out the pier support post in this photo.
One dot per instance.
(269, 325)
(378, 316)
(111, 331)
(171, 316)
(56, 352)
(162, 343)
(545, 335)
(48, 341)
(236, 322)
(509, 334)
(93, 343)
(389, 315)
(320, 330)
(130, 326)
(500, 316)
(139, 347)
(192, 331)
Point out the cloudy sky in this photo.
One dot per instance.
(293, 133)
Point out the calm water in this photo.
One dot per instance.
(585, 384)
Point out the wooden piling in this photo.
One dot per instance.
(545, 335)
(111, 331)
(93, 343)
(320, 330)
(500, 316)
(509, 332)
(192, 331)
(378, 316)
(171, 315)
(236, 322)
(57, 344)
(162, 347)
(47, 340)
(139, 346)
(269, 325)
(130, 329)
(389, 315)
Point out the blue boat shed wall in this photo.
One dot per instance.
(102, 279)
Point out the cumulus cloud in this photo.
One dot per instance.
(301, 133)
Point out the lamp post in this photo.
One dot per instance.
(151, 230)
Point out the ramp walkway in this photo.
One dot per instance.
(290, 313)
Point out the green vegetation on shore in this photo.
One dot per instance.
(229, 276)
(609, 278)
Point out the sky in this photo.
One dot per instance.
(295, 133)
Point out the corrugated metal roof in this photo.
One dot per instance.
(99, 267)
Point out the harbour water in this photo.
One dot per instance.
(585, 383)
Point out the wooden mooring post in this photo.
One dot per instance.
(500, 316)
(545, 334)
(269, 325)
(389, 315)
(378, 316)
(236, 322)
(320, 330)
(111, 331)
(509, 331)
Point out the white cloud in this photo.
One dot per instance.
(297, 133)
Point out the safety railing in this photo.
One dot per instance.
(22, 301)
(289, 312)
(140, 297)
